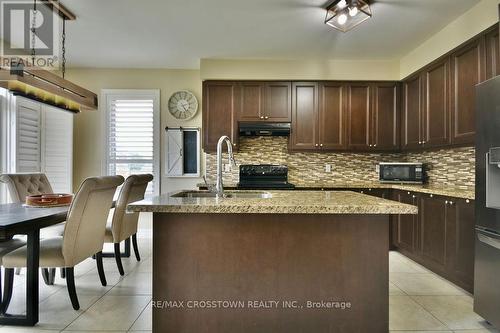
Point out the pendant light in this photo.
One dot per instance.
(42, 85)
(344, 15)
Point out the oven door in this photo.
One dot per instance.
(398, 174)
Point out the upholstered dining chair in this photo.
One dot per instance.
(124, 225)
(83, 237)
(20, 185)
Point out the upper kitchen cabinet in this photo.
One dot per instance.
(331, 116)
(221, 101)
(252, 101)
(304, 135)
(385, 116)
(412, 113)
(467, 69)
(426, 111)
(278, 102)
(265, 101)
(492, 53)
(436, 111)
(358, 116)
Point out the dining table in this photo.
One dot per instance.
(17, 219)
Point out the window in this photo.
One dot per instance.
(132, 134)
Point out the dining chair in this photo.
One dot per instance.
(123, 224)
(20, 185)
(83, 237)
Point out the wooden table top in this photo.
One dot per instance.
(16, 218)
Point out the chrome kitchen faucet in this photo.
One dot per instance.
(219, 188)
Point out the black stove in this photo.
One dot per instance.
(264, 177)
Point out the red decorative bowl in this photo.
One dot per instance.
(49, 200)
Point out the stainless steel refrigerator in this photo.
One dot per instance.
(487, 260)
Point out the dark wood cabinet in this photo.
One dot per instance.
(433, 221)
(406, 225)
(441, 237)
(461, 241)
(436, 111)
(358, 113)
(412, 113)
(304, 134)
(278, 102)
(332, 116)
(492, 53)
(467, 69)
(362, 116)
(385, 117)
(220, 110)
(265, 101)
(252, 101)
(426, 112)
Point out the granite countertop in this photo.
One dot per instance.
(282, 202)
(449, 191)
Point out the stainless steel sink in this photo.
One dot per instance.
(227, 194)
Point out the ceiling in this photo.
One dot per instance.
(178, 33)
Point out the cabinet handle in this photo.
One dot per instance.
(414, 196)
(266, 117)
(371, 145)
(375, 145)
(234, 144)
(321, 145)
(409, 192)
(420, 142)
(316, 145)
(261, 117)
(431, 195)
(467, 201)
(446, 202)
(451, 202)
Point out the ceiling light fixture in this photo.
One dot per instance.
(344, 15)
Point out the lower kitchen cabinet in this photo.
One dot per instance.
(462, 242)
(441, 237)
(434, 212)
(405, 227)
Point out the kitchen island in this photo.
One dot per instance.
(286, 261)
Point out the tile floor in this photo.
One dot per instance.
(420, 301)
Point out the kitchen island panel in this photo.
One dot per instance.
(270, 257)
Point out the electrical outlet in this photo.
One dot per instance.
(377, 168)
(227, 167)
(328, 168)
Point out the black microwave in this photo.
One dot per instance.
(408, 173)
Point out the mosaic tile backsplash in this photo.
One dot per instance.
(450, 167)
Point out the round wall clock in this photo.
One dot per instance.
(183, 105)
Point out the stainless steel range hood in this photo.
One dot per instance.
(264, 129)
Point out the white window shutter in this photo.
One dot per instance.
(27, 148)
(174, 153)
(57, 148)
(132, 119)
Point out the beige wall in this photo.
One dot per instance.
(298, 70)
(88, 152)
(87, 140)
(471, 23)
